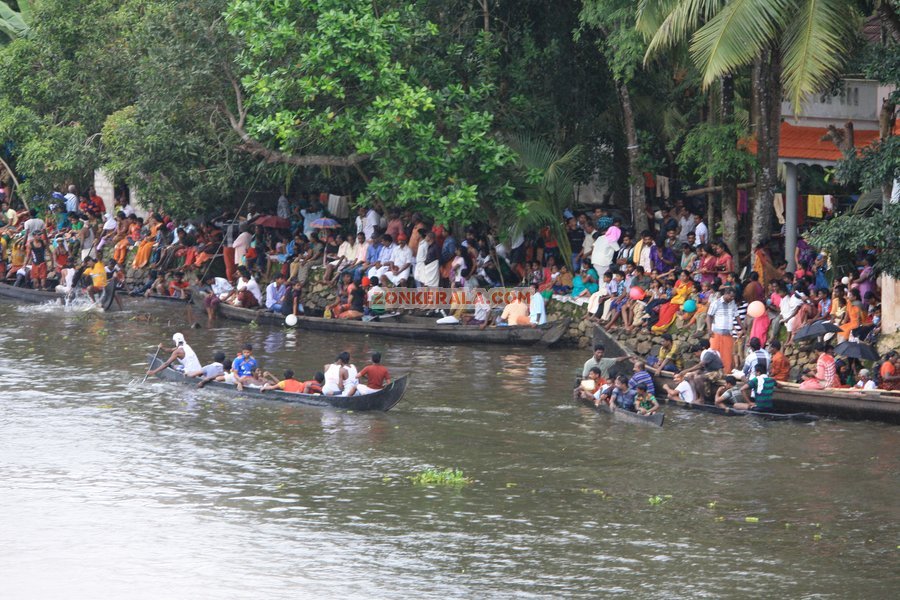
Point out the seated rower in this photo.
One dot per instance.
(516, 313)
(244, 366)
(594, 388)
(682, 392)
(160, 286)
(183, 353)
(314, 385)
(622, 396)
(758, 391)
(481, 315)
(212, 370)
(729, 394)
(336, 375)
(376, 376)
(645, 402)
(287, 384)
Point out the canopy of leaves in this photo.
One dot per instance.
(846, 234)
(335, 77)
(717, 152)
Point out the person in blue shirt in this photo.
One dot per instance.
(622, 396)
(244, 365)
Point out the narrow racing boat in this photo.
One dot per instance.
(383, 400)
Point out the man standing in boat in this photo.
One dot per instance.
(183, 353)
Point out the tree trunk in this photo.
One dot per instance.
(729, 187)
(886, 119)
(636, 178)
(767, 95)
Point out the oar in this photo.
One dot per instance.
(147, 374)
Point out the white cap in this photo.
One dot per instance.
(178, 339)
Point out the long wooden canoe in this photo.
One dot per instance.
(29, 295)
(620, 414)
(382, 400)
(800, 417)
(32, 296)
(409, 327)
(789, 399)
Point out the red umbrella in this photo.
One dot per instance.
(272, 221)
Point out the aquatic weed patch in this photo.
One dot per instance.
(444, 477)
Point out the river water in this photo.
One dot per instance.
(112, 489)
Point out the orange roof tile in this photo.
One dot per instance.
(805, 143)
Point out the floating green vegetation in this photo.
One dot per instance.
(657, 500)
(445, 477)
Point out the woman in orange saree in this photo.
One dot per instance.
(668, 311)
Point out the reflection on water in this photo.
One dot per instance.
(115, 489)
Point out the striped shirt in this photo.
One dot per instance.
(722, 314)
(755, 358)
(639, 378)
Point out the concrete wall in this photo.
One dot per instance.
(890, 314)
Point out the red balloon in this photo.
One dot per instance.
(636, 293)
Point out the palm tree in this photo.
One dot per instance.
(813, 36)
(15, 24)
(549, 187)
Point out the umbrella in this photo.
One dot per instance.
(272, 221)
(862, 331)
(816, 329)
(856, 350)
(325, 223)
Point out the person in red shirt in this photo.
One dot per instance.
(376, 374)
(178, 287)
(314, 386)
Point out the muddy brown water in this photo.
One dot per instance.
(112, 489)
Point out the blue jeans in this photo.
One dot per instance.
(652, 361)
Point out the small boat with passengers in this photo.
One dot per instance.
(407, 326)
(381, 400)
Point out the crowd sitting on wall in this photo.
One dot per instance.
(677, 275)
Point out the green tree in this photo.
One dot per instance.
(334, 84)
(622, 48)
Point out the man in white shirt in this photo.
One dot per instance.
(682, 392)
(685, 225)
(537, 310)
(401, 262)
(247, 294)
(756, 355)
(366, 221)
(72, 200)
(33, 226)
(700, 231)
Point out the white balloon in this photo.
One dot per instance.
(290, 320)
(845, 280)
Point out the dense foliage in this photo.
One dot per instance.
(199, 104)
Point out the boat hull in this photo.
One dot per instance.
(382, 400)
(789, 399)
(620, 414)
(413, 328)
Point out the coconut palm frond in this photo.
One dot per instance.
(533, 153)
(815, 42)
(676, 20)
(733, 37)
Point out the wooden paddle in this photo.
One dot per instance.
(147, 374)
